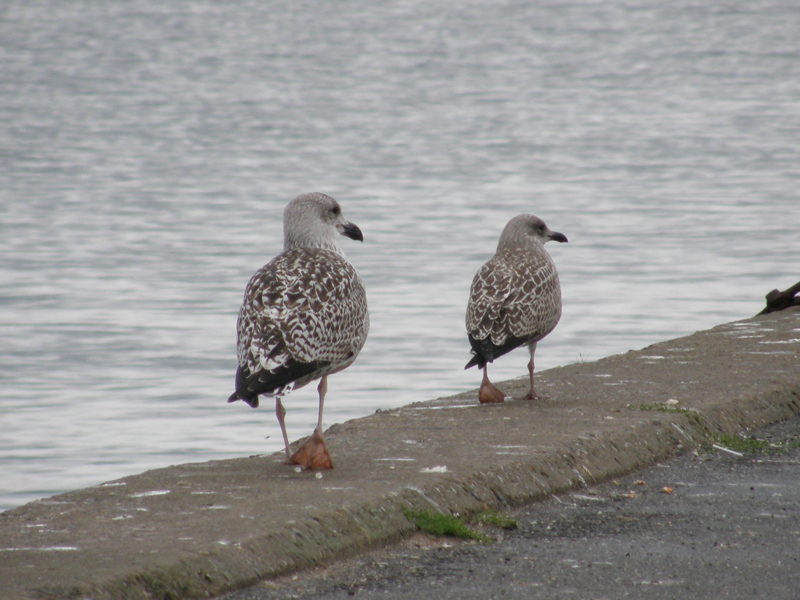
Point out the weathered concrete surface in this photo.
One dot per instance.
(199, 529)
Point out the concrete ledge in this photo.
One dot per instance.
(205, 528)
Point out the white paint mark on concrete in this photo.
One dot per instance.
(151, 493)
(437, 469)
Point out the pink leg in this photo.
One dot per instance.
(314, 453)
(281, 412)
(488, 393)
(532, 394)
(322, 389)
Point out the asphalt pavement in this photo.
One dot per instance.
(716, 523)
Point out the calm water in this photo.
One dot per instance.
(147, 151)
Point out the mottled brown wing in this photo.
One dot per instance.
(306, 307)
(516, 294)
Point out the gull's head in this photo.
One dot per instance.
(524, 230)
(316, 221)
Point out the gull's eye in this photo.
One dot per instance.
(336, 210)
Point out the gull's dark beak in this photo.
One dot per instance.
(352, 231)
(558, 237)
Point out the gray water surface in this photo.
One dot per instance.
(147, 152)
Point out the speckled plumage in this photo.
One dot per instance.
(515, 297)
(304, 316)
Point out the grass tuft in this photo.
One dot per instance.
(439, 524)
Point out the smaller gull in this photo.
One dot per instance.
(515, 299)
(304, 316)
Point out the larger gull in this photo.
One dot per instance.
(515, 299)
(304, 316)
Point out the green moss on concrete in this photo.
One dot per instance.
(439, 524)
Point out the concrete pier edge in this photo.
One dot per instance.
(756, 387)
